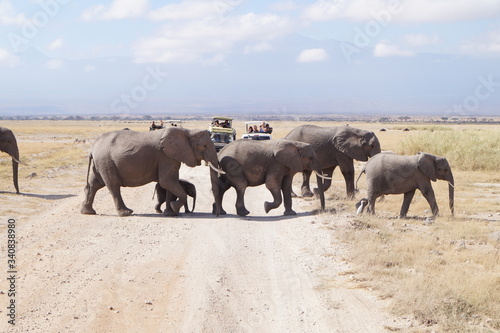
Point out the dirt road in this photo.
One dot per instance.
(192, 273)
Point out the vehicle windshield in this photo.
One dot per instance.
(224, 123)
(222, 137)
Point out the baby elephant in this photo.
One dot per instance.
(388, 173)
(162, 195)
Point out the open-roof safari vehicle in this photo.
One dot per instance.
(257, 130)
(170, 122)
(222, 131)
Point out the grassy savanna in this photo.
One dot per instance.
(446, 274)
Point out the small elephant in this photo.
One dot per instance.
(163, 195)
(388, 173)
(8, 144)
(336, 146)
(130, 158)
(271, 162)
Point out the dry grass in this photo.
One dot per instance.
(447, 273)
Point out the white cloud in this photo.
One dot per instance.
(118, 10)
(487, 44)
(8, 59)
(56, 44)
(187, 10)
(8, 15)
(54, 64)
(210, 39)
(384, 49)
(418, 40)
(386, 11)
(312, 55)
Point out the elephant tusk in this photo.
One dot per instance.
(453, 186)
(15, 159)
(323, 176)
(219, 171)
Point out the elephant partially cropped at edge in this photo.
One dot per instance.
(336, 146)
(389, 173)
(273, 163)
(8, 144)
(163, 195)
(129, 158)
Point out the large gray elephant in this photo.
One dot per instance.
(336, 146)
(129, 158)
(274, 162)
(8, 144)
(163, 195)
(389, 173)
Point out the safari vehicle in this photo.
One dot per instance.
(250, 133)
(222, 131)
(171, 122)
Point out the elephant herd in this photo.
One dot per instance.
(128, 158)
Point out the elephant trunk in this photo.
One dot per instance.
(13, 151)
(215, 171)
(451, 193)
(321, 192)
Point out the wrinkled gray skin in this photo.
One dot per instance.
(389, 173)
(8, 144)
(129, 158)
(336, 146)
(163, 195)
(273, 163)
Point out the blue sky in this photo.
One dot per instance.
(216, 36)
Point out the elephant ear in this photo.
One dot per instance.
(427, 164)
(175, 143)
(349, 141)
(287, 154)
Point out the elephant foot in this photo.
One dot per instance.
(289, 212)
(214, 210)
(242, 211)
(169, 213)
(158, 209)
(87, 211)
(294, 195)
(306, 193)
(268, 206)
(125, 212)
(176, 206)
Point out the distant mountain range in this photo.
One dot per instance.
(270, 82)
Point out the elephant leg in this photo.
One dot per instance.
(306, 188)
(161, 197)
(91, 189)
(121, 209)
(286, 188)
(176, 198)
(240, 201)
(223, 185)
(274, 187)
(348, 173)
(431, 199)
(408, 196)
(326, 182)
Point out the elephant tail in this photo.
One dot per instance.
(362, 172)
(88, 168)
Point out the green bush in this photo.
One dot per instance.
(467, 150)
